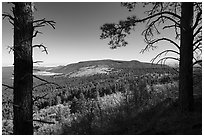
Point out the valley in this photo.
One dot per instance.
(80, 98)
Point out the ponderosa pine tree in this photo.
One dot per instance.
(186, 21)
(24, 32)
(23, 68)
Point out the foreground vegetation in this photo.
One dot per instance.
(122, 103)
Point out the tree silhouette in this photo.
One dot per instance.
(186, 21)
(24, 32)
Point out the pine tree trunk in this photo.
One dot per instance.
(23, 69)
(186, 58)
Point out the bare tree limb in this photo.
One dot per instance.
(161, 13)
(10, 18)
(198, 5)
(198, 18)
(148, 31)
(197, 47)
(39, 97)
(197, 41)
(36, 32)
(11, 102)
(165, 58)
(38, 62)
(175, 27)
(199, 62)
(41, 121)
(197, 31)
(43, 22)
(8, 87)
(46, 81)
(169, 26)
(41, 46)
(176, 22)
(150, 43)
(40, 20)
(42, 84)
(163, 52)
(7, 15)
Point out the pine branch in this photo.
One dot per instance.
(14, 105)
(41, 121)
(197, 41)
(46, 81)
(199, 30)
(36, 32)
(43, 84)
(43, 22)
(151, 43)
(199, 62)
(41, 46)
(175, 27)
(158, 14)
(165, 58)
(198, 18)
(39, 97)
(163, 52)
(38, 62)
(8, 87)
(198, 47)
(7, 15)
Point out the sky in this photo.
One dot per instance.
(77, 34)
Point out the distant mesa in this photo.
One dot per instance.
(87, 68)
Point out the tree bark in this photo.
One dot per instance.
(186, 58)
(23, 68)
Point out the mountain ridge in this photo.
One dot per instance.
(85, 68)
(92, 67)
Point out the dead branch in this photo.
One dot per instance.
(8, 87)
(35, 21)
(10, 18)
(170, 18)
(197, 41)
(42, 121)
(148, 30)
(39, 97)
(161, 13)
(175, 27)
(10, 102)
(198, 5)
(198, 18)
(199, 62)
(43, 22)
(199, 30)
(198, 47)
(36, 32)
(163, 52)
(46, 81)
(41, 46)
(165, 58)
(38, 62)
(169, 26)
(150, 43)
(7, 15)
(42, 84)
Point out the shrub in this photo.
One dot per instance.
(7, 127)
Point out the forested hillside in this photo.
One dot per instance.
(71, 102)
